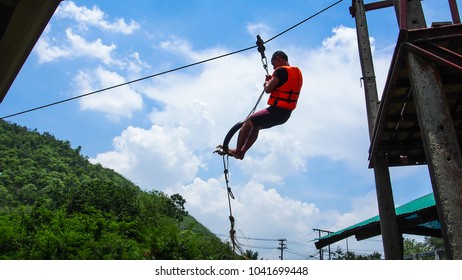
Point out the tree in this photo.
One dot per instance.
(339, 254)
(413, 247)
(434, 243)
(422, 250)
(172, 206)
(250, 255)
(5, 197)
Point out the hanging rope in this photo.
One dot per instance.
(223, 151)
(261, 49)
(232, 231)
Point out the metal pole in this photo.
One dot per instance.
(454, 11)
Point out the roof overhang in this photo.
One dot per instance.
(418, 217)
(397, 131)
(21, 24)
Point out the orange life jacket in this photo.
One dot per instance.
(286, 96)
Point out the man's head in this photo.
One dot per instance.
(279, 58)
(280, 54)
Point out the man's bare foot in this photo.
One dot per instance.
(235, 154)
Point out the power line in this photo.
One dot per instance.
(284, 246)
(252, 238)
(258, 247)
(300, 254)
(168, 71)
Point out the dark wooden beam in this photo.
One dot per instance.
(26, 24)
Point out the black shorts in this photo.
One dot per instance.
(270, 117)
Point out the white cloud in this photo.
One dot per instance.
(74, 46)
(363, 208)
(134, 65)
(177, 46)
(48, 49)
(331, 119)
(154, 159)
(96, 49)
(277, 151)
(119, 102)
(257, 211)
(71, 45)
(261, 29)
(94, 17)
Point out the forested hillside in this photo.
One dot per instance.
(55, 204)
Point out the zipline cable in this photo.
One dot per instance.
(303, 21)
(129, 82)
(168, 71)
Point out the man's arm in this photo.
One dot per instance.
(271, 84)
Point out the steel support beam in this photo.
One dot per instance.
(454, 11)
(371, 6)
(438, 55)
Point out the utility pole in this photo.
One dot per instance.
(281, 247)
(321, 256)
(347, 244)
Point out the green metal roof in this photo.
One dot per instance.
(416, 217)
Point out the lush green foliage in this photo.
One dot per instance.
(423, 250)
(339, 254)
(55, 204)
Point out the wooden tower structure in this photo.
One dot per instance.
(418, 119)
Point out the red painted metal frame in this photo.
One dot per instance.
(454, 11)
(403, 5)
(436, 58)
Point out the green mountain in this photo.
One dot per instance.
(55, 204)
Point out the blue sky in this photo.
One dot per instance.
(160, 132)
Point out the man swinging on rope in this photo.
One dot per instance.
(284, 87)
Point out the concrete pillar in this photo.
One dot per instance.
(391, 236)
(392, 239)
(442, 150)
